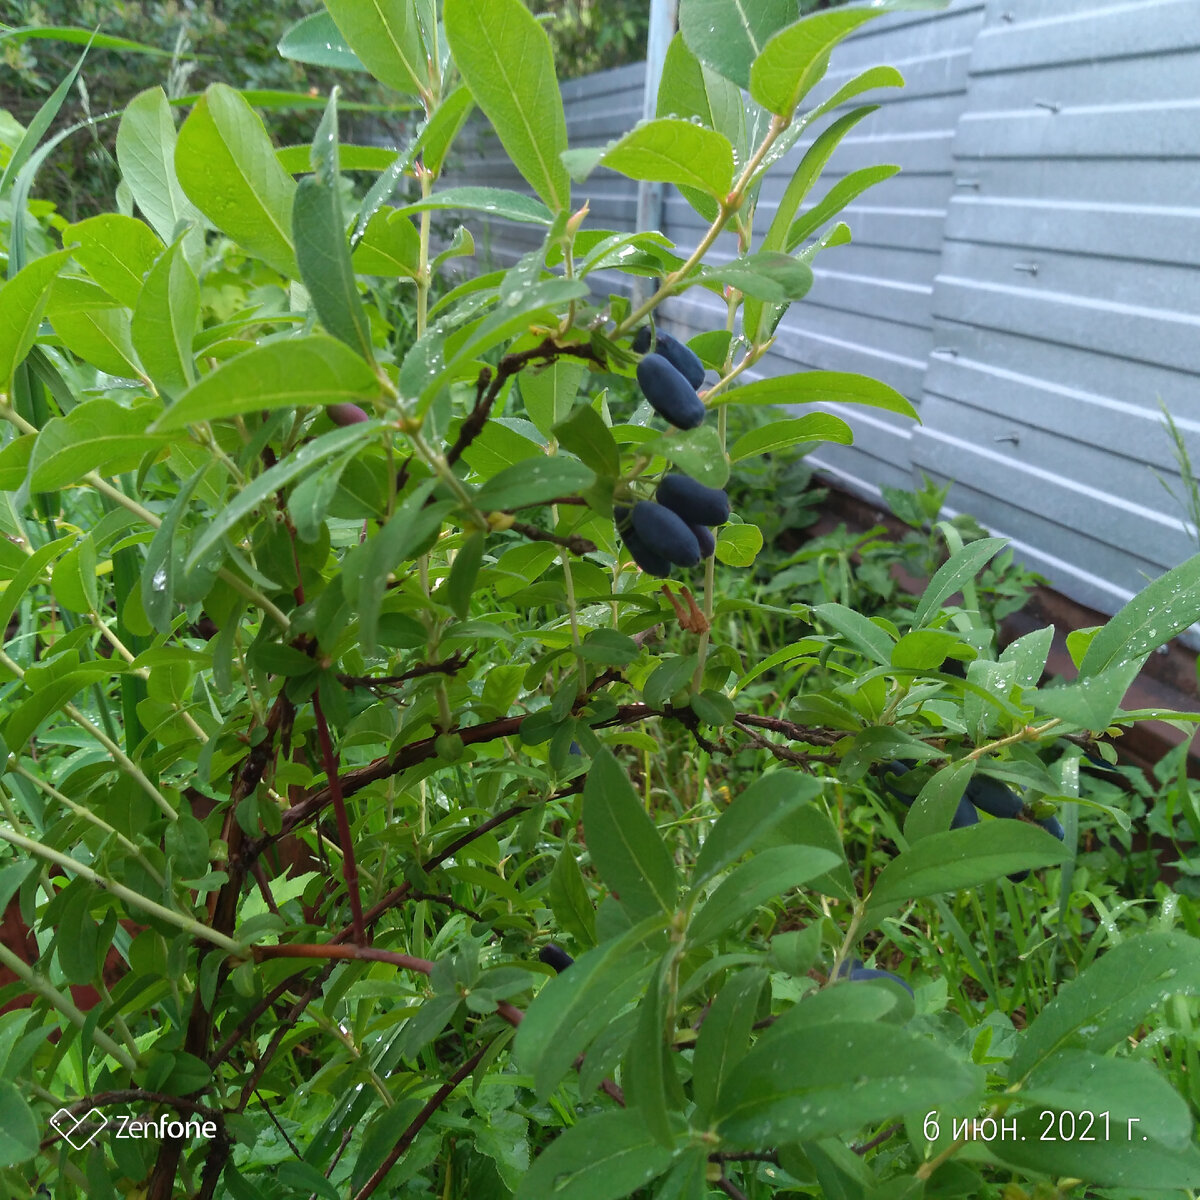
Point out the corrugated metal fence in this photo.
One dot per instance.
(1029, 279)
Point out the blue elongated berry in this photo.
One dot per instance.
(555, 956)
(1054, 825)
(694, 502)
(649, 560)
(682, 357)
(669, 393)
(993, 797)
(708, 543)
(964, 814)
(665, 533)
(854, 970)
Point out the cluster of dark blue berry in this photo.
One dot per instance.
(673, 529)
(985, 794)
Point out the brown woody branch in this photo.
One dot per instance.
(573, 542)
(448, 666)
(489, 385)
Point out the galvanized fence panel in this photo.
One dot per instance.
(1028, 280)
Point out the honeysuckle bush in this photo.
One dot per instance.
(331, 696)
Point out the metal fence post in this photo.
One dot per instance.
(664, 15)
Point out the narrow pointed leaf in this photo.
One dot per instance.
(295, 371)
(505, 58)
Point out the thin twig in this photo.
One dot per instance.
(419, 1122)
(345, 837)
(573, 542)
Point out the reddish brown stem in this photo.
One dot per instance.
(419, 1121)
(349, 864)
(331, 950)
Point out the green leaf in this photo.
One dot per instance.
(1130, 1157)
(533, 482)
(228, 169)
(22, 302)
(549, 393)
(509, 319)
(505, 58)
(844, 192)
(97, 435)
(323, 258)
(767, 275)
(647, 1071)
(609, 648)
(687, 1178)
(862, 633)
(811, 165)
(585, 435)
(725, 1035)
(880, 743)
(795, 59)
(836, 1077)
(314, 369)
(690, 89)
(664, 150)
(116, 251)
(25, 718)
(390, 245)
(442, 128)
(385, 37)
(569, 899)
(667, 678)
(271, 481)
(960, 568)
(574, 1007)
(697, 452)
(92, 325)
(1104, 1003)
(1091, 702)
(606, 1156)
(933, 809)
(738, 545)
(923, 649)
(27, 574)
(624, 844)
(1074, 1080)
(164, 322)
(317, 40)
(146, 141)
(38, 127)
(778, 435)
(1156, 614)
(460, 583)
(729, 35)
(158, 572)
(768, 874)
(411, 524)
(752, 815)
(14, 461)
(20, 1134)
(76, 35)
(1028, 654)
(296, 160)
(964, 858)
(827, 387)
(494, 202)
(74, 578)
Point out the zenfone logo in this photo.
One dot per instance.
(82, 1131)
